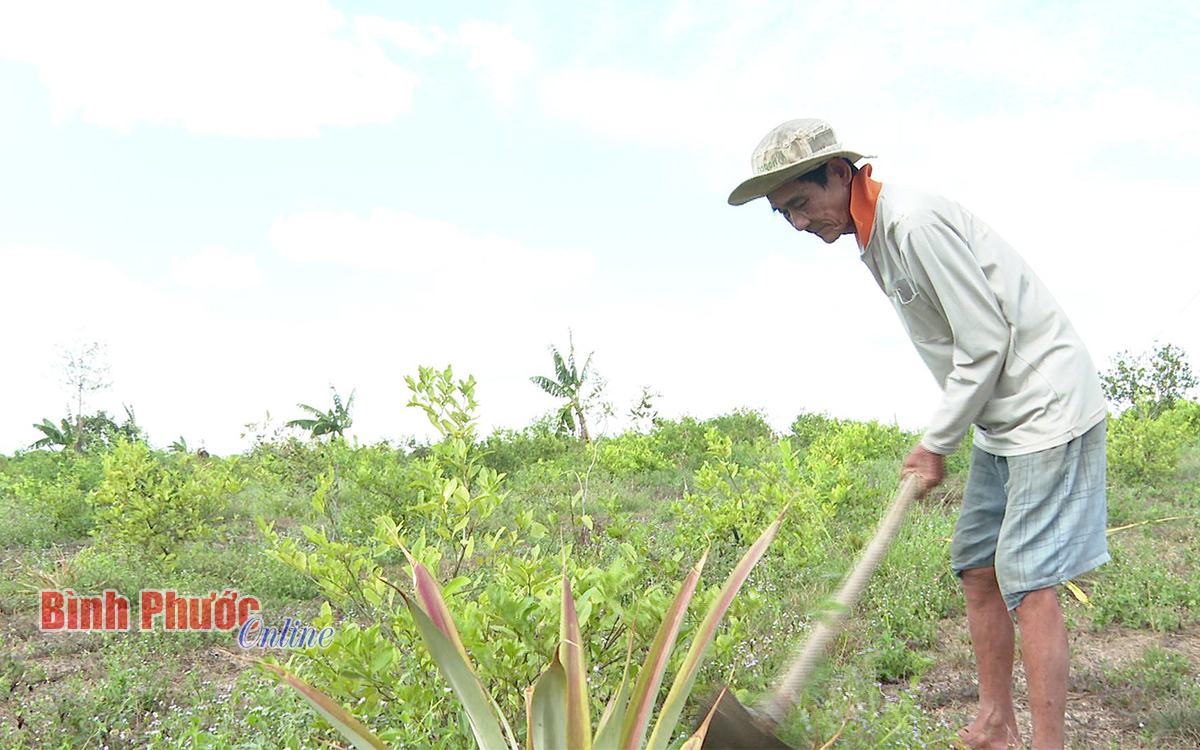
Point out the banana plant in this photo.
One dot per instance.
(556, 705)
(568, 383)
(333, 422)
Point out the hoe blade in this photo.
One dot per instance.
(735, 728)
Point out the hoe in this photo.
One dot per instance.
(733, 726)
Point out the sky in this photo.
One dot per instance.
(250, 202)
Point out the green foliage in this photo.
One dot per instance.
(510, 451)
(1144, 448)
(490, 516)
(95, 431)
(451, 495)
(731, 500)
(139, 694)
(454, 487)
(502, 607)
(1176, 719)
(558, 707)
(808, 427)
(680, 447)
(837, 466)
(46, 499)
(1150, 382)
(149, 505)
(632, 454)
(1157, 675)
(682, 442)
(743, 426)
(1160, 689)
(59, 510)
(908, 597)
(1146, 586)
(335, 421)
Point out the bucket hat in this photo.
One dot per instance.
(788, 151)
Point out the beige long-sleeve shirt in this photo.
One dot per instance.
(1001, 347)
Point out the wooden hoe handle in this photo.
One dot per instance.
(787, 690)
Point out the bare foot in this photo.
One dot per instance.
(991, 734)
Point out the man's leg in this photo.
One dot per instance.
(992, 640)
(1054, 530)
(1045, 653)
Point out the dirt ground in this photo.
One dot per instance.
(1094, 717)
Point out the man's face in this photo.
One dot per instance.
(823, 210)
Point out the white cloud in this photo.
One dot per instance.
(880, 69)
(626, 104)
(217, 268)
(401, 34)
(427, 252)
(497, 52)
(681, 19)
(271, 68)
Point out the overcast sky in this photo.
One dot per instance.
(249, 202)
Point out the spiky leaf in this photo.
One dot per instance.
(641, 705)
(545, 705)
(452, 662)
(681, 688)
(579, 725)
(340, 718)
(608, 732)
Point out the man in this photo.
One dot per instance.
(1009, 362)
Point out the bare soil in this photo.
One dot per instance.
(1098, 715)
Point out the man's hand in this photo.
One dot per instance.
(929, 466)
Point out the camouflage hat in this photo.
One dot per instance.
(790, 150)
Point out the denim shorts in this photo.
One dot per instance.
(1038, 518)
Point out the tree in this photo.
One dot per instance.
(335, 421)
(569, 384)
(1151, 381)
(84, 369)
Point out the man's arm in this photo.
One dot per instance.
(947, 269)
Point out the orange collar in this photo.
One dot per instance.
(864, 194)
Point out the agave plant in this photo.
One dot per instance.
(556, 705)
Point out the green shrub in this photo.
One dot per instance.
(290, 462)
(808, 427)
(45, 497)
(632, 454)
(1150, 382)
(730, 501)
(682, 442)
(509, 451)
(149, 505)
(743, 426)
(1147, 449)
(855, 467)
